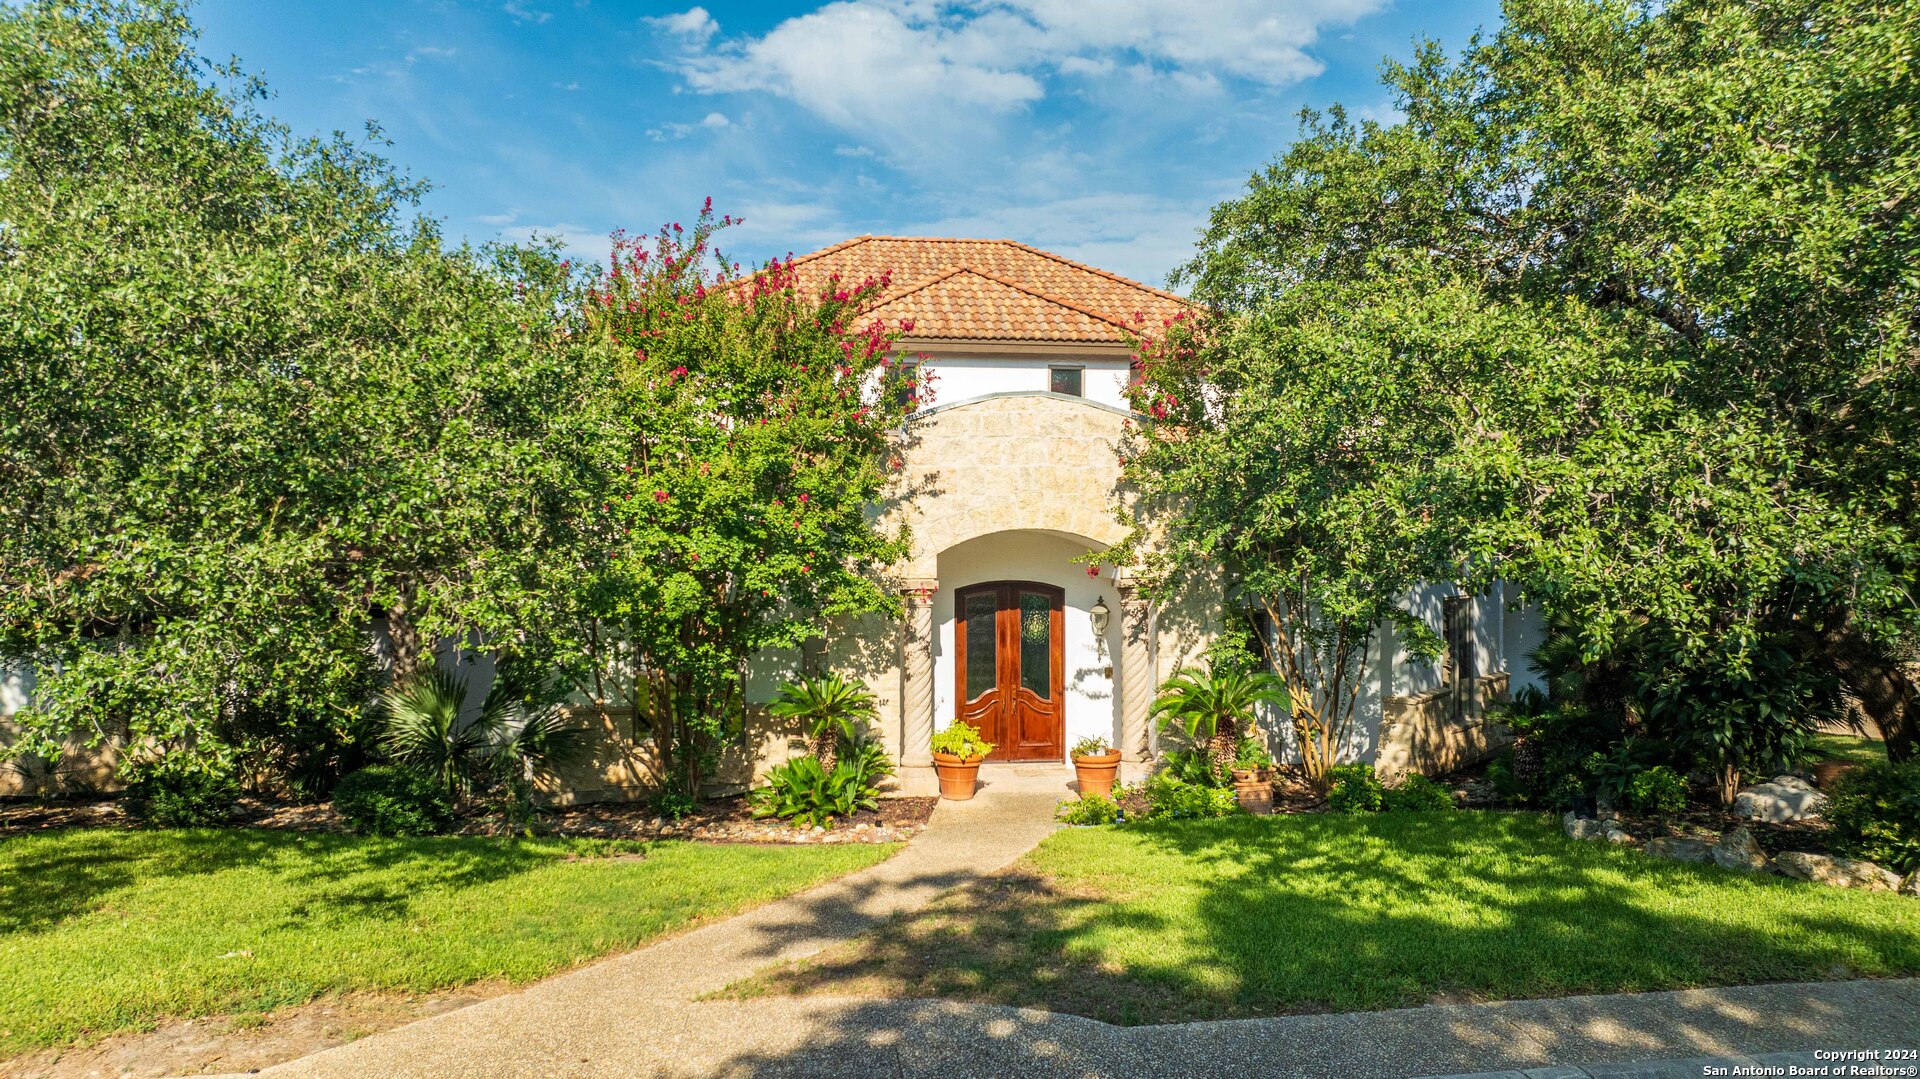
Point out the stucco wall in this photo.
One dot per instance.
(960, 379)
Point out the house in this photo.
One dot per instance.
(1010, 481)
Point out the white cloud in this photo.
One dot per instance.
(712, 121)
(507, 218)
(566, 87)
(694, 24)
(902, 65)
(577, 242)
(1136, 235)
(522, 12)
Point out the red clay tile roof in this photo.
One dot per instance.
(990, 290)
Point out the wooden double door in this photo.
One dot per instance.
(1009, 659)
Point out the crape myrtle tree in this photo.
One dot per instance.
(757, 428)
(249, 402)
(1649, 271)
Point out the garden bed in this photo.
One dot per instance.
(723, 820)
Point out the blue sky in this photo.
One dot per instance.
(1100, 129)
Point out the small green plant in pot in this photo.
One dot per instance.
(958, 750)
(1096, 764)
(1253, 775)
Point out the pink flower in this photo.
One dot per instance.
(803, 496)
(660, 496)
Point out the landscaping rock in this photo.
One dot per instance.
(1737, 850)
(1838, 872)
(1680, 850)
(1595, 830)
(1584, 827)
(1780, 800)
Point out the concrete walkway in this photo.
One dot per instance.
(635, 1015)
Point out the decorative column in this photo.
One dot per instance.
(1136, 674)
(916, 677)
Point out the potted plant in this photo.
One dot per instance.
(957, 753)
(1253, 775)
(1095, 765)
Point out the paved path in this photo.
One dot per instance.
(634, 1015)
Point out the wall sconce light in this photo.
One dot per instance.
(1099, 615)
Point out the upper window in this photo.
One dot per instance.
(1067, 380)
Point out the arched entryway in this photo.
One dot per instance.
(1009, 666)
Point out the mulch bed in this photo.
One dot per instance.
(723, 820)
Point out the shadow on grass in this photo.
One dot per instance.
(49, 878)
(1179, 921)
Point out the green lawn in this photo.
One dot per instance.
(1182, 920)
(1853, 748)
(103, 930)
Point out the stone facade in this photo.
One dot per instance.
(1434, 732)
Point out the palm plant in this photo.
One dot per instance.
(830, 709)
(1212, 706)
(518, 729)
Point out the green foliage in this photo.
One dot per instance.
(1252, 754)
(675, 804)
(1873, 812)
(961, 740)
(832, 709)
(1619, 310)
(1506, 785)
(1192, 766)
(1213, 707)
(248, 398)
(515, 731)
(1169, 797)
(1355, 789)
(388, 801)
(806, 794)
(751, 422)
(1659, 789)
(1416, 794)
(1093, 745)
(183, 790)
(1090, 808)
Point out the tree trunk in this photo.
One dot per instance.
(1885, 688)
(403, 637)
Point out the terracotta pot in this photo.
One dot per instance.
(959, 776)
(1095, 775)
(1254, 789)
(1825, 772)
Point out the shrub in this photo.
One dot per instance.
(1873, 812)
(811, 797)
(1090, 808)
(1506, 782)
(1417, 794)
(675, 804)
(1192, 766)
(183, 791)
(384, 800)
(1171, 798)
(962, 740)
(1355, 789)
(1252, 754)
(1093, 745)
(1659, 789)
